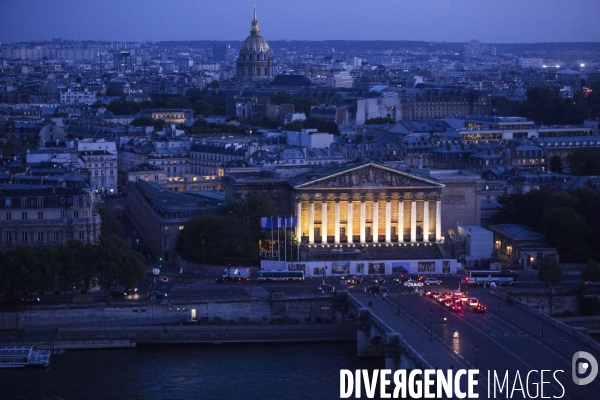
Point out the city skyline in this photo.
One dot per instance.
(506, 21)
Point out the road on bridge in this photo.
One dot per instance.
(509, 340)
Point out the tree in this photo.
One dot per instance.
(114, 91)
(565, 229)
(550, 271)
(47, 264)
(591, 272)
(111, 225)
(556, 164)
(585, 161)
(116, 263)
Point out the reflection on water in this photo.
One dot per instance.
(256, 371)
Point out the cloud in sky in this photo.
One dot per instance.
(489, 21)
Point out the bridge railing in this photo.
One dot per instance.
(560, 325)
(384, 328)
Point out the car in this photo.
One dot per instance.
(591, 283)
(117, 293)
(164, 279)
(427, 293)
(473, 302)
(456, 307)
(155, 294)
(337, 250)
(30, 299)
(432, 281)
(355, 281)
(378, 280)
(413, 283)
(377, 289)
(480, 308)
(325, 288)
(447, 302)
(417, 277)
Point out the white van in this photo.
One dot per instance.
(473, 301)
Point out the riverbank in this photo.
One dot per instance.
(131, 336)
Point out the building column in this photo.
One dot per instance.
(299, 218)
(324, 221)
(426, 219)
(375, 232)
(363, 212)
(311, 220)
(388, 219)
(438, 218)
(349, 224)
(400, 219)
(337, 221)
(413, 219)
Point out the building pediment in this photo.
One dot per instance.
(370, 176)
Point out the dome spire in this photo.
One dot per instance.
(254, 30)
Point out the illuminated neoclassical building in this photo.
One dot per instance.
(255, 62)
(363, 202)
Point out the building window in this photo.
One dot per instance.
(8, 237)
(180, 227)
(62, 213)
(24, 215)
(55, 236)
(156, 177)
(40, 202)
(166, 229)
(75, 214)
(40, 215)
(7, 203)
(85, 213)
(23, 202)
(81, 235)
(8, 216)
(40, 236)
(23, 236)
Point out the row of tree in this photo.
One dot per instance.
(570, 221)
(232, 237)
(43, 269)
(545, 105)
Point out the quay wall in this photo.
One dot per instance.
(277, 309)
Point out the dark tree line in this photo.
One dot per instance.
(570, 221)
(44, 269)
(202, 102)
(233, 237)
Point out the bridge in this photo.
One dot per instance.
(510, 339)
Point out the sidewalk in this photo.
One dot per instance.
(531, 321)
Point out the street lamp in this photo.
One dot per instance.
(476, 356)
(542, 332)
(431, 326)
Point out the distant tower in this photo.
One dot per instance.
(255, 62)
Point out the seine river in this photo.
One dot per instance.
(255, 371)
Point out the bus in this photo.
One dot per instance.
(487, 277)
(266, 276)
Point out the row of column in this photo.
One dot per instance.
(363, 213)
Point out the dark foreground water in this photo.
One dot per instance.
(255, 371)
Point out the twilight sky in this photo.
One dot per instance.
(489, 21)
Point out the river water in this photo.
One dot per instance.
(240, 371)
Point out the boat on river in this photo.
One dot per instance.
(24, 357)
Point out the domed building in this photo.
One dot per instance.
(255, 62)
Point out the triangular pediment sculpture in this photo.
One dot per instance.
(370, 176)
